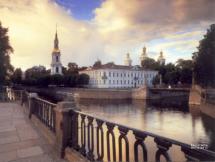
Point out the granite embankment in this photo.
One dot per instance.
(204, 99)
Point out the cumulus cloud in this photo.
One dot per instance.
(32, 26)
(119, 26)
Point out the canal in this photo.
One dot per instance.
(179, 122)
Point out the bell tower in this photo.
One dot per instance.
(56, 66)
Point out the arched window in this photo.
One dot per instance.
(57, 70)
(57, 58)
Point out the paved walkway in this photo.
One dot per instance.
(19, 139)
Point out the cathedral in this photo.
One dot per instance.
(56, 66)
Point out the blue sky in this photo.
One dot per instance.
(80, 9)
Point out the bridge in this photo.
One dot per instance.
(36, 129)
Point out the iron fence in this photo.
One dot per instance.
(44, 110)
(102, 140)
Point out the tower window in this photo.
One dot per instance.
(57, 70)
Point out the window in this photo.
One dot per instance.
(117, 82)
(121, 74)
(113, 74)
(117, 74)
(57, 58)
(109, 74)
(57, 70)
(113, 82)
(128, 74)
(128, 81)
(131, 74)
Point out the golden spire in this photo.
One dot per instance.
(56, 42)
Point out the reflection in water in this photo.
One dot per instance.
(181, 123)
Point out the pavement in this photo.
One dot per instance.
(20, 141)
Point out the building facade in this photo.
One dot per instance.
(56, 66)
(119, 76)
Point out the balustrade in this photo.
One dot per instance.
(103, 135)
(44, 111)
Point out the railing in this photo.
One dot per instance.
(44, 111)
(3, 95)
(101, 140)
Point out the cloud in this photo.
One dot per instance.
(119, 26)
(143, 21)
(32, 28)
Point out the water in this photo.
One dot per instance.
(181, 123)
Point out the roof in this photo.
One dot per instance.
(111, 65)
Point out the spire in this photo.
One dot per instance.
(56, 40)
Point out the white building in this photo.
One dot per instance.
(119, 76)
(56, 66)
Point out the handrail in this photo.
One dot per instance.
(45, 101)
(82, 139)
(144, 132)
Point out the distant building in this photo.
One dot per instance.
(119, 76)
(56, 66)
(161, 59)
(143, 56)
(128, 61)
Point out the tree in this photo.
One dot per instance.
(6, 68)
(97, 64)
(36, 75)
(17, 76)
(72, 67)
(83, 79)
(185, 69)
(56, 79)
(149, 63)
(204, 59)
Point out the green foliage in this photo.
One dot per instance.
(204, 59)
(97, 64)
(6, 68)
(17, 76)
(83, 79)
(181, 72)
(149, 63)
(56, 79)
(39, 76)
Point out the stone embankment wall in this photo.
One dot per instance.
(136, 94)
(195, 95)
(204, 99)
(102, 94)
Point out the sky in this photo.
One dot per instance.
(89, 30)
